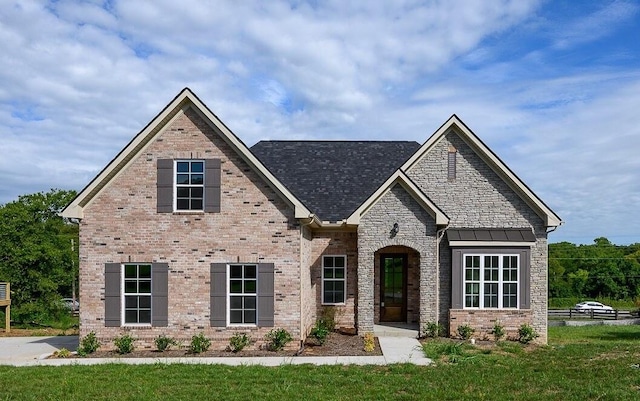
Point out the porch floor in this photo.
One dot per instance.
(409, 330)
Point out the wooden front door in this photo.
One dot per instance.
(393, 287)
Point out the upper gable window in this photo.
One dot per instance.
(451, 163)
(189, 181)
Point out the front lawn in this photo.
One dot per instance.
(581, 363)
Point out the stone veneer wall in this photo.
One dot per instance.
(417, 231)
(477, 198)
(254, 225)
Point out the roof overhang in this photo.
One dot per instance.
(456, 125)
(399, 178)
(494, 237)
(185, 99)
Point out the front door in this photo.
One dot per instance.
(393, 287)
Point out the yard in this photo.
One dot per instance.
(580, 363)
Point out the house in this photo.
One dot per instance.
(187, 230)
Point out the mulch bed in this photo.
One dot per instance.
(336, 345)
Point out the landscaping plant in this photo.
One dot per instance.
(369, 342)
(199, 343)
(465, 331)
(163, 342)
(238, 341)
(277, 339)
(433, 330)
(124, 344)
(526, 334)
(498, 331)
(320, 331)
(88, 345)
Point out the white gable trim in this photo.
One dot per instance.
(399, 177)
(184, 100)
(455, 124)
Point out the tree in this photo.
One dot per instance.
(35, 253)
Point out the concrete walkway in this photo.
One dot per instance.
(32, 351)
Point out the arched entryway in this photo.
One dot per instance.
(396, 285)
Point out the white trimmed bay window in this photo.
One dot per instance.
(491, 281)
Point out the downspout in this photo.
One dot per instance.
(439, 235)
(303, 223)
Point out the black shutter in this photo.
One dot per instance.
(159, 294)
(212, 186)
(165, 186)
(112, 295)
(218, 295)
(265, 294)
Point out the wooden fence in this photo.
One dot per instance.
(558, 314)
(5, 302)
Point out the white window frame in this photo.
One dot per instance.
(242, 294)
(482, 281)
(176, 185)
(344, 279)
(123, 295)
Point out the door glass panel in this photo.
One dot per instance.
(393, 281)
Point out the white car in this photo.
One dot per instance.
(583, 307)
(68, 303)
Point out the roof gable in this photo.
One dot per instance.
(332, 178)
(185, 99)
(399, 178)
(498, 166)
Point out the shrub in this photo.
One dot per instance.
(433, 330)
(328, 318)
(124, 344)
(199, 343)
(526, 334)
(465, 331)
(277, 339)
(163, 342)
(369, 342)
(498, 331)
(238, 341)
(62, 353)
(320, 331)
(88, 345)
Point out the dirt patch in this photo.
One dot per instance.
(38, 332)
(336, 345)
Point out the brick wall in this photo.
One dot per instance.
(254, 225)
(483, 321)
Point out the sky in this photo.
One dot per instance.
(552, 87)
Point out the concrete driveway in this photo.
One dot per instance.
(23, 350)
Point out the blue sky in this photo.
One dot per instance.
(553, 87)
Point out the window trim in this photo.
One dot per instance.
(481, 282)
(344, 280)
(176, 185)
(123, 295)
(228, 297)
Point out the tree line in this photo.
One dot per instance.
(598, 270)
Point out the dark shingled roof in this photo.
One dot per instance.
(333, 178)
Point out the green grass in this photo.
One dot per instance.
(580, 363)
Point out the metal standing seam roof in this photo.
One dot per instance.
(491, 234)
(332, 178)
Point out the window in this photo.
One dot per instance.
(189, 180)
(491, 281)
(334, 273)
(136, 296)
(243, 294)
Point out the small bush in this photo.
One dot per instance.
(526, 334)
(124, 344)
(199, 343)
(498, 331)
(465, 331)
(62, 353)
(369, 342)
(320, 331)
(328, 317)
(433, 330)
(163, 343)
(277, 339)
(238, 341)
(88, 345)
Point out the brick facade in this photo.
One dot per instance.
(254, 225)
